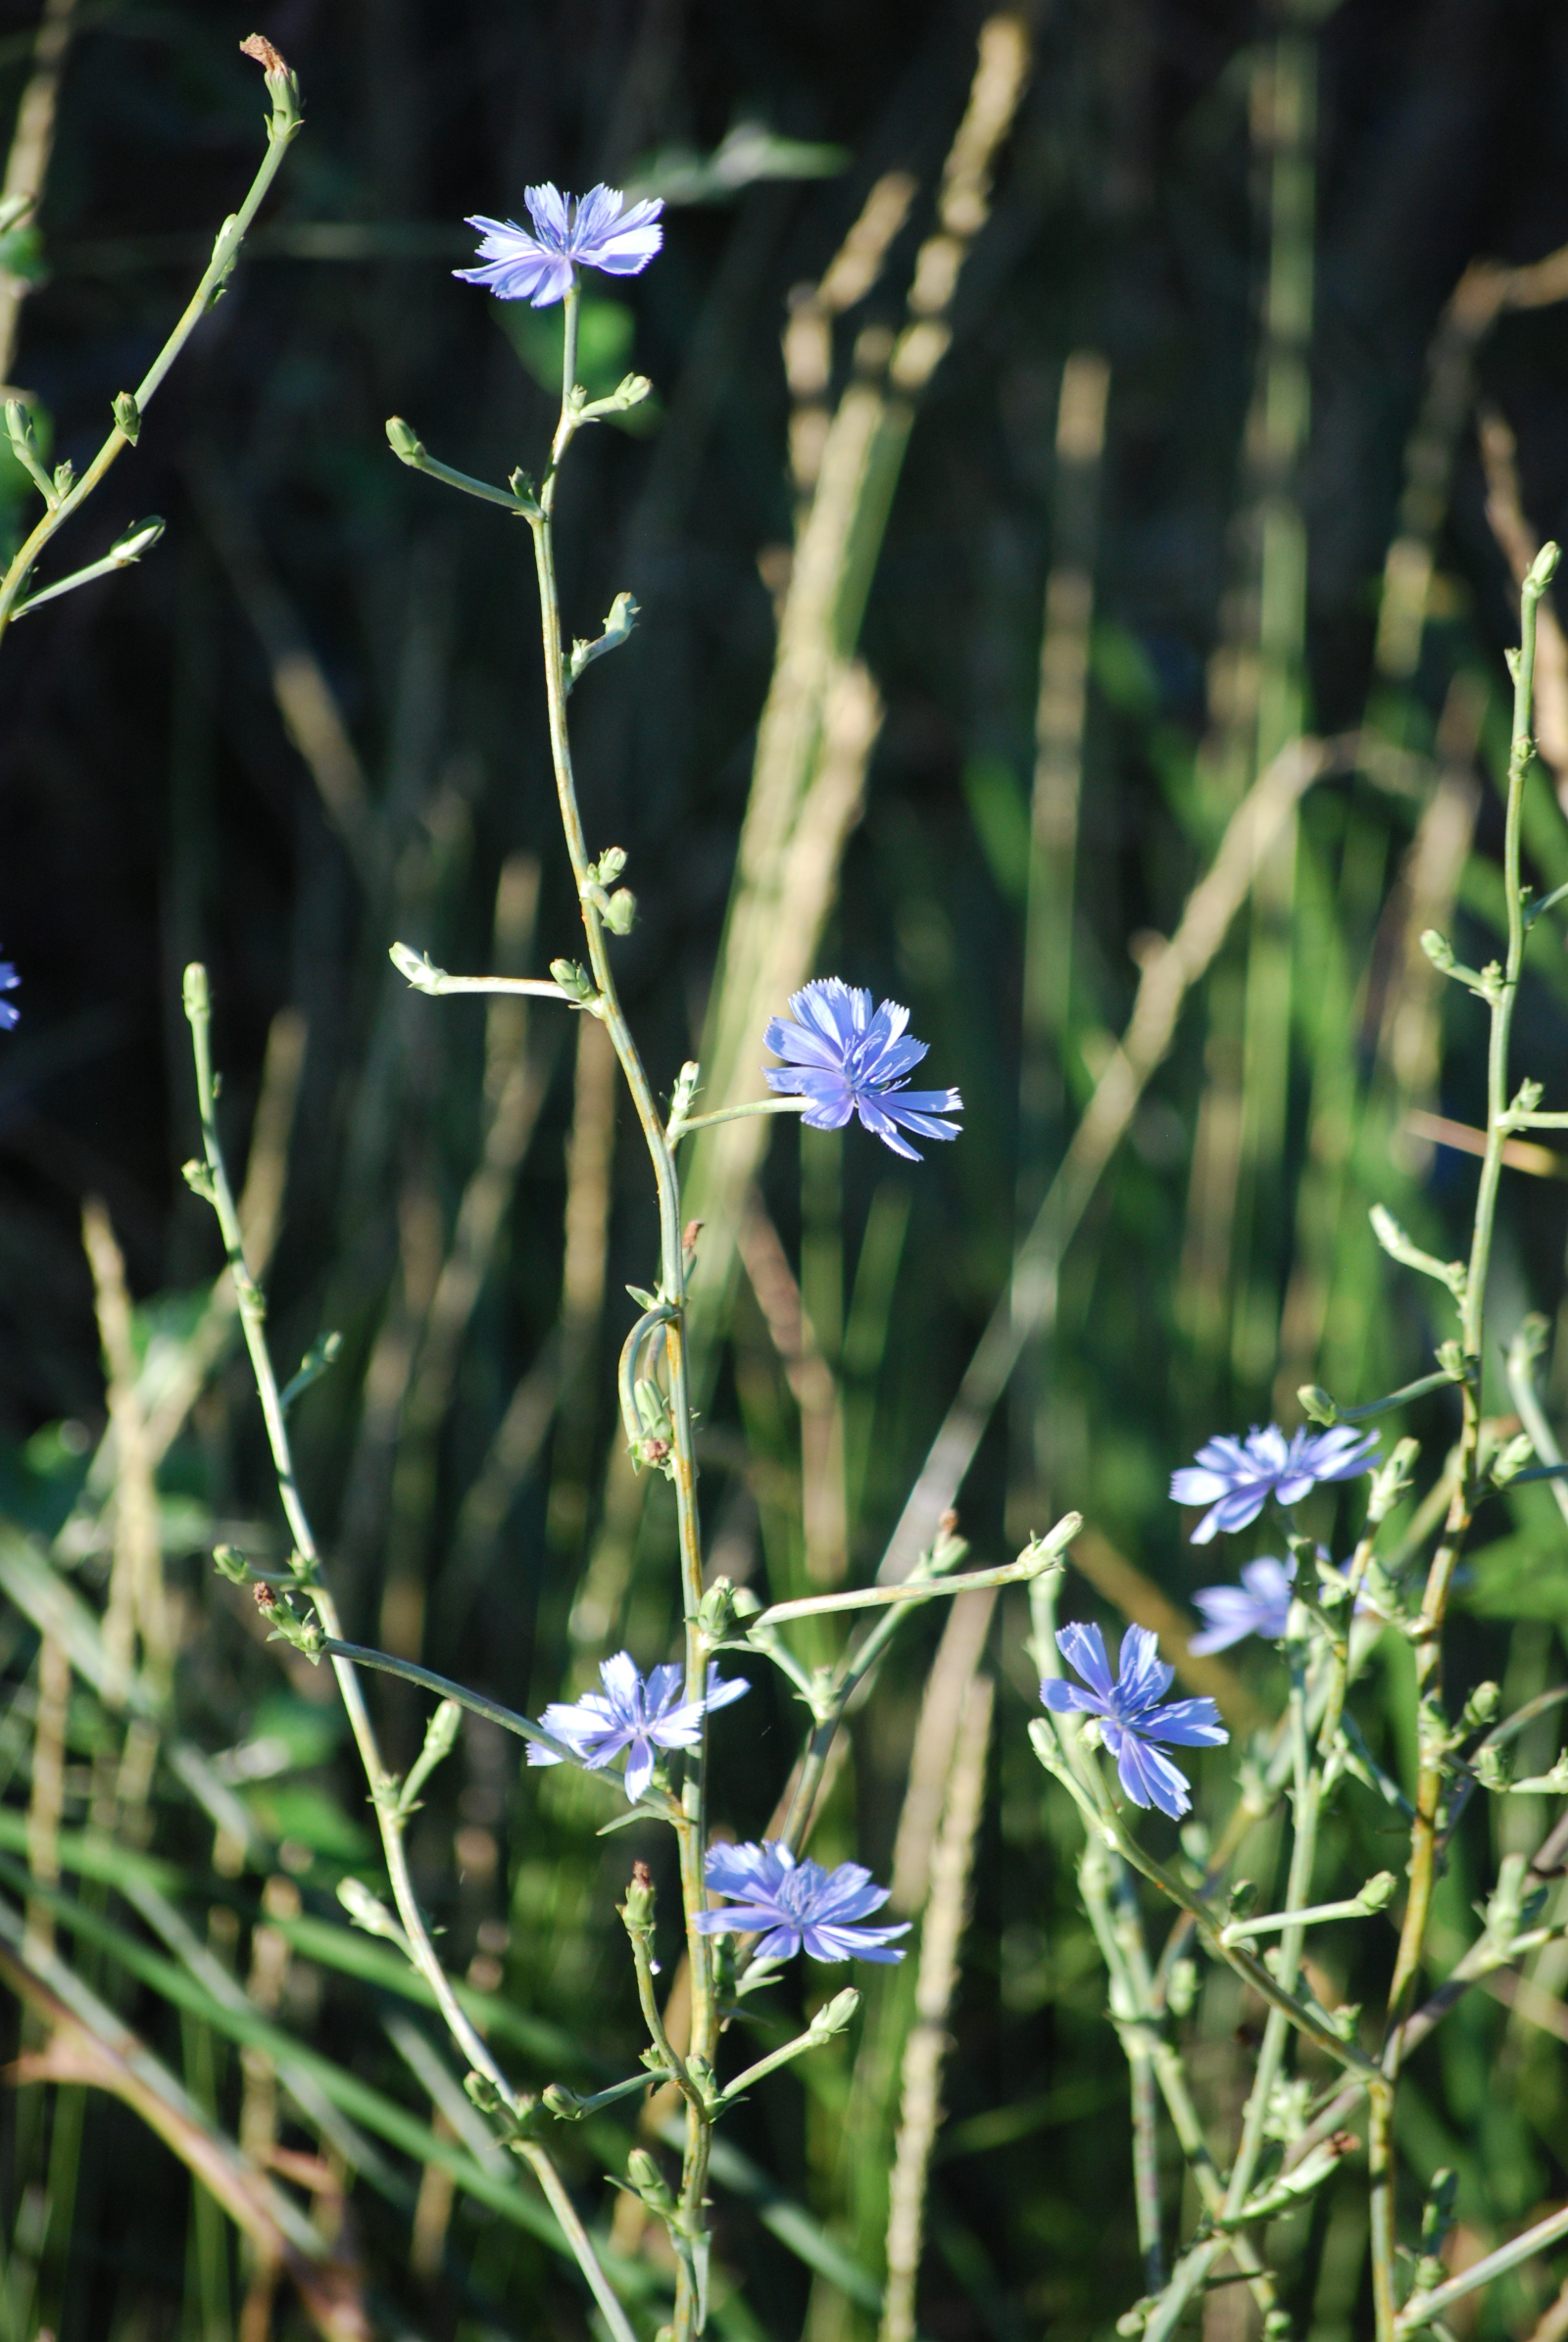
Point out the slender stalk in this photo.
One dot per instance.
(1502, 996)
(691, 1831)
(758, 1106)
(283, 126)
(1304, 1853)
(648, 1999)
(1102, 1816)
(1423, 2308)
(212, 1179)
(1030, 1564)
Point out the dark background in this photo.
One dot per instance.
(152, 809)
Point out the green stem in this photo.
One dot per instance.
(1304, 1853)
(691, 1829)
(1468, 1487)
(758, 1106)
(283, 126)
(1029, 1565)
(675, 2063)
(383, 1784)
(1102, 1815)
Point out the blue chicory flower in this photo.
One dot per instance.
(788, 1903)
(596, 231)
(10, 1013)
(630, 1714)
(1259, 1605)
(848, 1061)
(1130, 1714)
(1236, 1477)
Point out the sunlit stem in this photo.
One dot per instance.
(758, 1106)
(691, 1829)
(383, 1786)
(282, 129)
(875, 1598)
(1440, 1578)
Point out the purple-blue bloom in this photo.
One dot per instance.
(1236, 1477)
(790, 1903)
(1259, 1605)
(596, 231)
(9, 981)
(632, 1715)
(1130, 1714)
(848, 1061)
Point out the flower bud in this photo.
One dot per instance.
(574, 980)
(638, 1909)
(649, 2181)
(404, 441)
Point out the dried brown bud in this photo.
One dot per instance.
(265, 1599)
(266, 57)
(689, 1236)
(641, 1874)
(948, 1521)
(655, 1451)
(1342, 2142)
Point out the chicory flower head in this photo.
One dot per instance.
(1236, 1477)
(596, 231)
(848, 1061)
(1130, 1715)
(1259, 1605)
(629, 1714)
(790, 1903)
(10, 1013)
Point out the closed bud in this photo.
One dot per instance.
(1438, 950)
(441, 1732)
(611, 865)
(128, 416)
(836, 2014)
(416, 967)
(723, 1609)
(621, 911)
(1543, 570)
(482, 2091)
(365, 1909)
(1481, 1705)
(231, 1564)
(1316, 1404)
(649, 2181)
(404, 442)
(638, 1909)
(574, 980)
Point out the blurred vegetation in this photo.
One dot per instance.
(1231, 441)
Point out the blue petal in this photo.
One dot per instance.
(1186, 1724)
(1150, 1778)
(1064, 1700)
(547, 209)
(882, 1127)
(1084, 1648)
(639, 1768)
